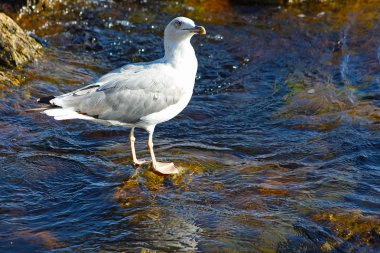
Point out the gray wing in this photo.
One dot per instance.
(126, 95)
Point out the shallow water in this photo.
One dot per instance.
(279, 146)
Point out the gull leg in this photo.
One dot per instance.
(163, 168)
(132, 140)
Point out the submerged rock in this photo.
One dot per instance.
(322, 106)
(46, 239)
(352, 227)
(16, 47)
(334, 230)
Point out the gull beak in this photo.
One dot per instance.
(196, 29)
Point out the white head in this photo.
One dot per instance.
(182, 28)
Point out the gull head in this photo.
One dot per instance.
(182, 28)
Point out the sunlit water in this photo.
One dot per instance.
(279, 146)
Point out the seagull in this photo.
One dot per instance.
(139, 95)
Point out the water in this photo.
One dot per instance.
(279, 145)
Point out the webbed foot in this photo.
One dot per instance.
(165, 168)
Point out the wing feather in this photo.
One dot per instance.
(126, 94)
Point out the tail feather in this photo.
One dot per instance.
(45, 100)
(65, 114)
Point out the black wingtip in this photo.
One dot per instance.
(45, 100)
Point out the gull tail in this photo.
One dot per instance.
(45, 100)
(65, 114)
(59, 113)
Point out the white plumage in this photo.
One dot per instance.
(139, 95)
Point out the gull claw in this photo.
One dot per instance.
(166, 168)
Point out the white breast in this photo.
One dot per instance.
(166, 114)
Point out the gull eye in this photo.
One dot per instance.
(177, 24)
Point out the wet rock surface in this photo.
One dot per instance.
(16, 47)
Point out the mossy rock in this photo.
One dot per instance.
(16, 47)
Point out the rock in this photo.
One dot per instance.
(350, 228)
(16, 47)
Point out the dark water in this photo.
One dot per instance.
(279, 146)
